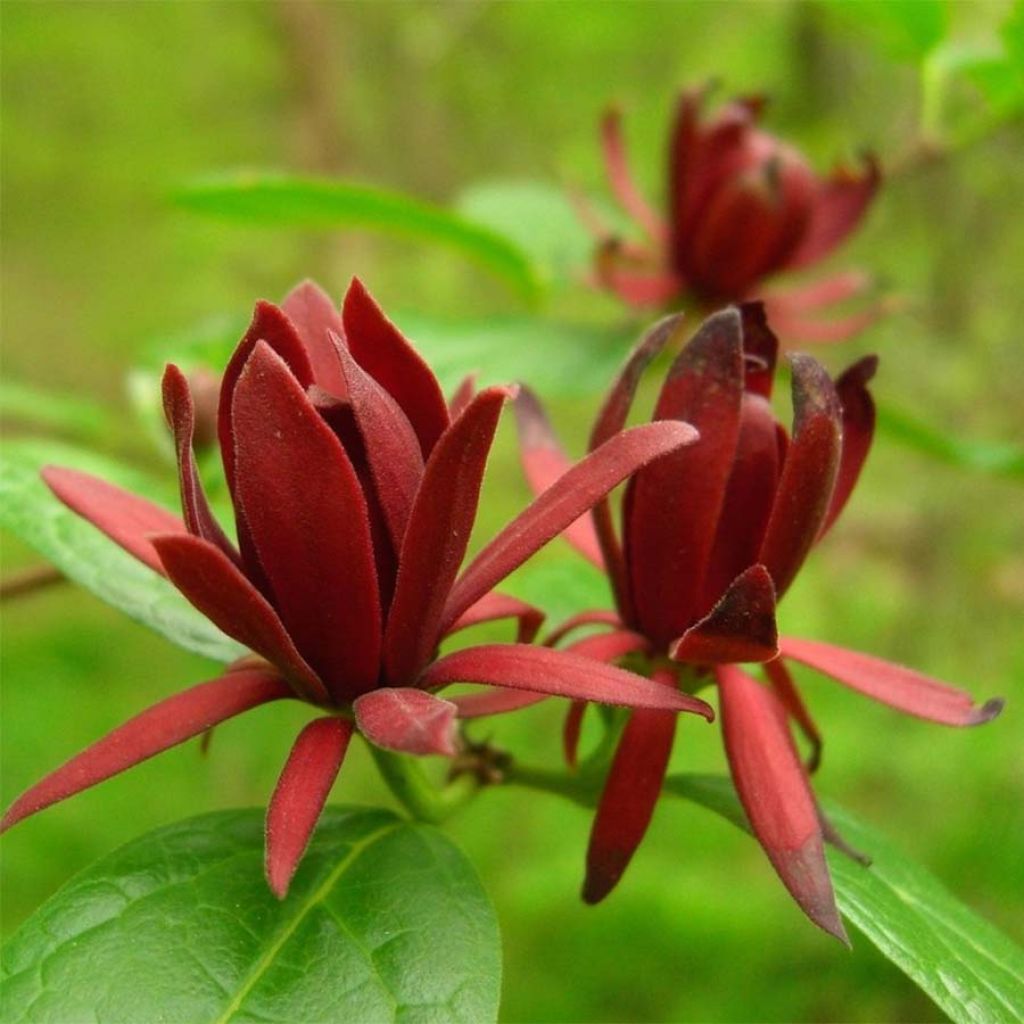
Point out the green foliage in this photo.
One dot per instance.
(385, 921)
(76, 417)
(904, 29)
(83, 554)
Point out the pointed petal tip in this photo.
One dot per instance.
(596, 888)
(990, 709)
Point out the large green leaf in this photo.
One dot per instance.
(83, 554)
(71, 415)
(972, 970)
(290, 201)
(385, 921)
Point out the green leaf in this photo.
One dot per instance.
(288, 201)
(561, 584)
(972, 971)
(903, 29)
(385, 921)
(83, 554)
(77, 417)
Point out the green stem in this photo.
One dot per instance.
(416, 793)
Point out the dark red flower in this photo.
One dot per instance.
(355, 488)
(742, 206)
(711, 538)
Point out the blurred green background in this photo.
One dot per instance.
(107, 106)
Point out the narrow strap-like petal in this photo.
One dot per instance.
(156, 729)
(300, 795)
(581, 620)
(544, 461)
(858, 431)
(315, 317)
(217, 588)
(392, 448)
(309, 523)
(741, 627)
(436, 537)
(493, 607)
(382, 350)
(789, 696)
(808, 473)
(462, 396)
(407, 720)
(774, 792)
(125, 518)
(899, 687)
(572, 728)
(180, 413)
(674, 505)
(562, 503)
(641, 282)
(621, 179)
(494, 700)
(760, 349)
(560, 674)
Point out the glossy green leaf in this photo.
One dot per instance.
(972, 971)
(290, 201)
(385, 921)
(83, 554)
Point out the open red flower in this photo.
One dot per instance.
(711, 537)
(354, 488)
(742, 206)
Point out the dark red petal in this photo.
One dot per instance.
(309, 523)
(571, 729)
(579, 621)
(436, 538)
(789, 696)
(808, 473)
(392, 449)
(494, 701)
(621, 179)
(675, 504)
(407, 720)
(300, 795)
(462, 396)
(564, 501)
(640, 282)
(741, 627)
(627, 802)
(544, 462)
(558, 673)
(382, 350)
(125, 518)
(773, 789)
(215, 585)
(156, 729)
(839, 207)
(493, 607)
(315, 317)
(760, 349)
(858, 431)
(899, 687)
(180, 413)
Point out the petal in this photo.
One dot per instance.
(543, 462)
(392, 448)
(309, 523)
(407, 720)
(217, 588)
(462, 396)
(436, 538)
(674, 505)
(579, 621)
(564, 501)
(571, 729)
(494, 701)
(156, 729)
(300, 795)
(760, 349)
(741, 627)
(180, 413)
(802, 329)
(125, 518)
(558, 673)
(621, 179)
(382, 350)
(826, 291)
(899, 687)
(858, 431)
(808, 473)
(641, 284)
(789, 697)
(493, 607)
(313, 313)
(839, 207)
(773, 789)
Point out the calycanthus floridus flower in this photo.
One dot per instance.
(711, 537)
(355, 487)
(742, 206)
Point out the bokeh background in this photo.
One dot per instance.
(106, 107)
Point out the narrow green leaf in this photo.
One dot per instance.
(76, 417)
(385, 921)
(972, 971)
(83, 554)
(290, 201)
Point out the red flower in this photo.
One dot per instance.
(712, 536)
(742, 207)
(355, 489)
